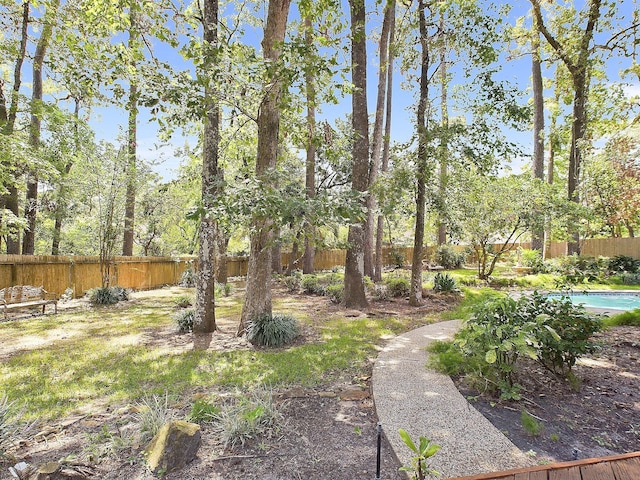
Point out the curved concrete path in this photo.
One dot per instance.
(426, 403)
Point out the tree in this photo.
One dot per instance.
(575, 53)
(354, 294)
(376, 146)
(205, 317)
(538, 123)
(258, 294)
(422, 164)
(495, 212)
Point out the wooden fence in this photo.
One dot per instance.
(57, 273)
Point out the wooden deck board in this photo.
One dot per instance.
(617, 467)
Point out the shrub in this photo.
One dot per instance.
(247, 418)
(448, 257)
(626, 278)
(398, 286)
(188, 277)
(380, 292)
(443, 282)
(563, 330)
(396, 257)
(335, 293)
(531, 425)
(622, 263)
(203, 411)
(532, 259)
(183, 301)
(184, 319)
(578, 269)
(105, 295)
(8, 425)
(293, 282)
(630, 318)
(222, 289)
(272, 331)
(311, 284)
(153, 413)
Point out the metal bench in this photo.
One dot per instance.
(24, 296)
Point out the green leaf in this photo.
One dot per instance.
(491, 357)
(407, 440)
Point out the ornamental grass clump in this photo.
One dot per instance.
(272, 330)
(184, 319)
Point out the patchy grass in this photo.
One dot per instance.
(85, 360)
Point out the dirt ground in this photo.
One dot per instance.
(330, 431)
(601, 418)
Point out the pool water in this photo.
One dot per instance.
(610, 301)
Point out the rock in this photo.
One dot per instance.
(174, 446)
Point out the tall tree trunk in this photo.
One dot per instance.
(276, 252)
(376, 146)
(205, 314)
(132, 144)
(354, 294)
(258, 293)
(10, 200)
(31, 207)
(384, 163)
(130, 194)
(553, 144)
(415, 295)
(578, 67)
(63, 190)
(310, 176)
(538, 125)
(222, 272)
(444, 108)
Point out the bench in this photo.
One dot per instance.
(24, 296)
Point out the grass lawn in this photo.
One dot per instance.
(93, 358)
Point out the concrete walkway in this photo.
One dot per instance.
(425, 403)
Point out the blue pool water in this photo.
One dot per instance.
(609, 301)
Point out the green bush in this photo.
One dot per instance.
(396, 257)
(575, 269)
(272, 331)
(335, 293)
(107, 295)
(630, 318)
(184, 319)
(398, 286)
(622, 263)
(223, 289)
(203, 411)
(443, 282)
(293, 282)
(625, 278)
(532, 259)
(563, 331)
(448, 257)
(380, 292)
(188, 277)
(311, 284)
(183, 301)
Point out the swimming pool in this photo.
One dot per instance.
(603, 300)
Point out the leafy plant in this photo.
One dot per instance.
(397, 258)
(630, 318)
(272, 331)
(188, 277)
(563, 330)
(223, 289)
(103, 296)
(203, 411)
(247, 417)
(398, 286)
(294, 281)
(184, 319)
(335, 293)
(153, 413)
(422, 452)
(531, 425)
(448, 257)
(183, 301)
(622, 263)
(9, 425)
(532, 259)
(443, 282)
(380, 292)
(311, 284)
